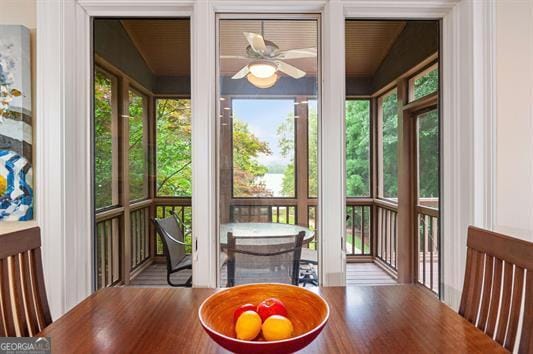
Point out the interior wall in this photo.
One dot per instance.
(22, 12)
(514, 118)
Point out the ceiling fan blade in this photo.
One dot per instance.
(233, 57)
(241, 73)
(256, 42)
(297, 53)
(290, 70)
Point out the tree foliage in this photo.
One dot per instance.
(103, 144)
(247, 168)
(137, 154)
(389, 141)
(173, 148)
(357, 148)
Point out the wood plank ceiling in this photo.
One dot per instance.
(165, 44)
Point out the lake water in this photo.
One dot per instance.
(274, 182)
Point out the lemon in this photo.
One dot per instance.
(248, 325)
(277, 327)
(3, 185)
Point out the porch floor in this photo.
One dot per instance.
(365, 274)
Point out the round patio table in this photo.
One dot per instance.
(263, 230)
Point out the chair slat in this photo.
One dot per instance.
(487, 288)
(516, 303)
(23, 305)
(5, 301)
(495, 301)
(29, 306)
(505, 307)
(39, 289)
(472, 309)
(467, 285)
(16, 296)
(526, 340)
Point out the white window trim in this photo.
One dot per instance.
(63, 134)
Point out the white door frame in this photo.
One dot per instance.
(63, 137)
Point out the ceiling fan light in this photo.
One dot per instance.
(262, 82)
(262, 69)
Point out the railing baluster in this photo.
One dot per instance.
(430, 244)
(109, 253)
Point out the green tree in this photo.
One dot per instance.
(285, 133)
(173, 147)
(426, 84)
(357, 148)
(428, 154)
(312, 149)
(390, 145)
(103, 147)
(246, 166)
(137, 154)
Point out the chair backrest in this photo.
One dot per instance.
(251, 213)
(264, 259)
(169, 229)
(498, 288)
(23, 304)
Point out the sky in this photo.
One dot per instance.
(263, 117)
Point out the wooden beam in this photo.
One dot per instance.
(301, 111)
(406, 189)
(225, 158)
(124, 185)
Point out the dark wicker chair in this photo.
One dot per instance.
(263, 259)
(170, 229)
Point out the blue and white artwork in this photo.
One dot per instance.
(16, 175)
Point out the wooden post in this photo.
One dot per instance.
(124, 185)
(301, 111)
(152, 170)
(373, 173)
(225, 158)
(406, 189)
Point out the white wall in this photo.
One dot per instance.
(514, 122)
(21, 12)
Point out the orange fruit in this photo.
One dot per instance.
(277, 327)
(248, 325)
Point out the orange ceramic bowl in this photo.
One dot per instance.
(307, 311)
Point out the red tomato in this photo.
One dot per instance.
(241, 309)
(271, 307)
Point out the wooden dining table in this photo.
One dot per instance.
(373, 319)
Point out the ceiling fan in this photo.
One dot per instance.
(268, 60)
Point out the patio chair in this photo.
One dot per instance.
(268, 259)
(170, 229)
(495, 290)
(23, 302)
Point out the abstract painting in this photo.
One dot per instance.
(16, 174)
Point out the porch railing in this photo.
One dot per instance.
(358, 228)
(428, 247)
(140, 233)
(387, 232)
(108, 236)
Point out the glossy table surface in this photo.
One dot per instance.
(263, 229)
(381, 319)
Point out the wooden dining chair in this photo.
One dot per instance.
(498, 288)
(23, 305)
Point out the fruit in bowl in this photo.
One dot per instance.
(290, 318)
